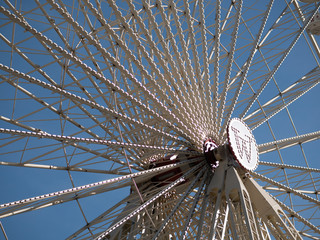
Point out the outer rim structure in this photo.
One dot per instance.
(107, 104)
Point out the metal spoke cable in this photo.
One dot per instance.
(180, 108)
(280, 156)
(68, 139)
(247, 65)
(69, 168)
(123, 45)
(118, 65)
(193, 207)
(89, 69)
(140, 174)
(62, 64)
(75, 145)
(277, 66)
(77, 100)
(263, 112)
(287, 189)
(198, 78)
(132, 89)
(79, 106)
(183, 81)
(284, 102)
(281, 166)
(11, 121)
(193, 91)
(129, 167)
(283, 99)
(311, 37)
(206, 75)
(115, 87)
(216, 64)
(102, 219)
(73, 186)
(297, 216)
(182, 198)
(143, 206)
(179, 89)
(288, 142)
(204, 206)
(25, 57)
(231, 53)
(3, 231)
(71, 49)
(50, 107)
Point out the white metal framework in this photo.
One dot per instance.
(105, 106)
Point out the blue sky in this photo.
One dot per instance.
(59, 221)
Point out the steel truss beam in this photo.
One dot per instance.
(281, 60)
(283, 99)
(244, 210)
(288, 142)
(67, 195)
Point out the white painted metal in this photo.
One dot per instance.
(118, 97)
(309, 1)
(243, 144)
(289, 142)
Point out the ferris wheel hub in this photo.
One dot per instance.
(209, 149)
(243, 144)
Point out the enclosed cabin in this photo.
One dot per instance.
(314, 25)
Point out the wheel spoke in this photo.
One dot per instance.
(283, 99)
(283, 56)
(63, 196)
(285, 143)
(160, 119)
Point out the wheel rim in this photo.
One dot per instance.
(94, 91)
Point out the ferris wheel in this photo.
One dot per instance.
(159, 119)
